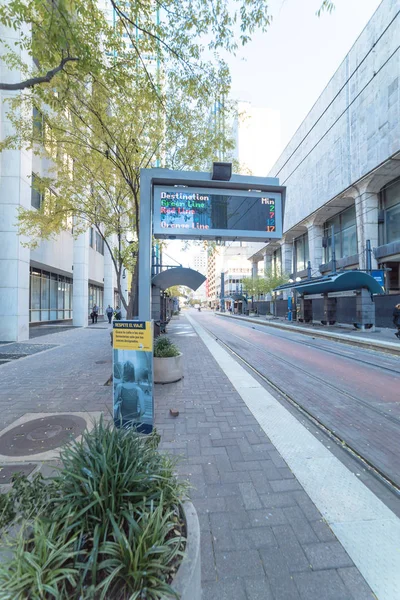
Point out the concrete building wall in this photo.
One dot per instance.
(56, 255)
(343, 163)
(15, 172)
(66, 272)
(353, 127)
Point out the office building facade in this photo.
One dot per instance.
(342, 166)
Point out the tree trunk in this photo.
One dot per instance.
(132, 309)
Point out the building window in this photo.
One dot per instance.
(99, 243)
(36, 196)
(345, 234)
(91, 237)
(276, 264)
(96, 296)
(301, 254)
(50, 297)
(390, 199)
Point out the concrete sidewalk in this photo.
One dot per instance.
(262, 536)
(380, 339)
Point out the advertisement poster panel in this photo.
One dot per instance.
(133, 375)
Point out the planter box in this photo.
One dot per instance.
(187, 582)
(168, 370)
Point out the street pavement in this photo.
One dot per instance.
(353, 391)
(380, 333)
(262, 537)
(383, 337)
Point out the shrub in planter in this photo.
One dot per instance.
(108, 526)
(167, 361)
(164, 348)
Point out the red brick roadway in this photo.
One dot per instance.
(355, 392)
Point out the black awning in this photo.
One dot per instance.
(179, 276)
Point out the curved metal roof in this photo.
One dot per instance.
(235, 297)
(338, 282)
(179, 276)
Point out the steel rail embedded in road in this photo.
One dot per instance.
(327, 350)
(378, 473)
(323, 381)
(366, 343)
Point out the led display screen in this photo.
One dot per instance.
(193, 213)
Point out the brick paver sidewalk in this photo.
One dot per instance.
(262, 538)
(69, 376)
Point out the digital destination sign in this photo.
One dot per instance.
(193, 213)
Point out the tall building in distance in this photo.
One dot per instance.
(231, 260)
(199, 263)
(257, 134)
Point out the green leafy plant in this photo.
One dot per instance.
(41, 564)
(135, 555)
(164, 348)
(109, 471)
(27, 498)
(108, 526)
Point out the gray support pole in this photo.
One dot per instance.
(145, 241)
(222, 295)
(333, 250)
(368, 257)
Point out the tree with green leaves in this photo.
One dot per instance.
(260, 286)
(115, 96)
(178, 291)
(67, 37)
(97, 146)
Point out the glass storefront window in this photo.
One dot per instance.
(393, 224)
(35, 297)
(49, 294)
(391, 203)
(45, 291)
(96, 295)
(301, 252)
(53, 299)
(345, 234)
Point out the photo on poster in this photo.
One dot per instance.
(133, 389)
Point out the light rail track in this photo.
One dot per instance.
(326, 350)
(365, 462)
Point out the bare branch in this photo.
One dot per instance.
(29, 83)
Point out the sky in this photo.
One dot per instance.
(288, 67)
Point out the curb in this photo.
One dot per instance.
(389, 347)
(187, 582)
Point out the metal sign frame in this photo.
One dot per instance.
(152, 177)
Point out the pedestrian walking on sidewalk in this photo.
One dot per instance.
(396, 319)
(117, 314)
(109, 312)
(95, 313)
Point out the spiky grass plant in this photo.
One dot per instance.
(111, 526)
(42, 564)
(109, 471)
